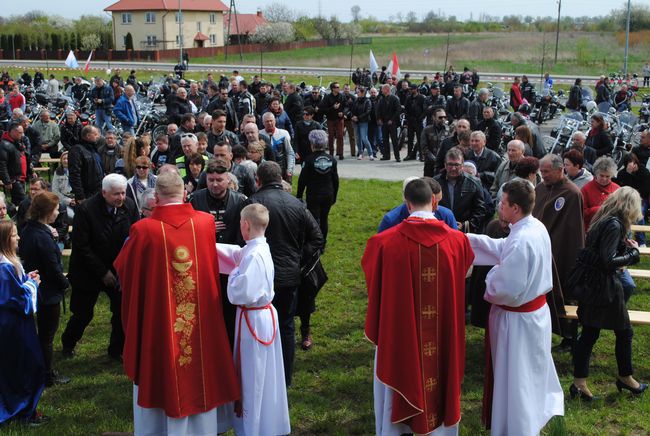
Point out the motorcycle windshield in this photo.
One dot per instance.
(497, 92)
(604, 106)
(577, 116)
(628, 118)
(586, 94)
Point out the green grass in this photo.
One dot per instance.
(332, 389)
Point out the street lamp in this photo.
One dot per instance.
(180, 33)
(627, 39)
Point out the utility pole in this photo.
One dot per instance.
(557, 31)
(180, 33)
(627, 39)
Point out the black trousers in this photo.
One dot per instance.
(82, 306)
(285, 301)
(229, 310)
(389, 134)
(17, 192)
(47, 321)
(585, 343)
(319, 206)
(414, 130)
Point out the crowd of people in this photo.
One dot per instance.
(224, 171)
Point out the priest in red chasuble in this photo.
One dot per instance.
(415, 274)
(176, 350)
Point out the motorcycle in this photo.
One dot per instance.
(644, 111)
(546, 106)
(560, 139)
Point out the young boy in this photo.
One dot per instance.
(263, 409)
(162, 155)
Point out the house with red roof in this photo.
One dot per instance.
(161, 25)
(242, 26)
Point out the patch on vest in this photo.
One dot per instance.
(322, 164)
(559, 204)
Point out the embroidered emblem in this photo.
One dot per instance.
(429, 349)
(430, 384)
(559, 204)
(428, 274)
(429, 312)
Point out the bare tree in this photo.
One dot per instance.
(277, 12)
(356, 9)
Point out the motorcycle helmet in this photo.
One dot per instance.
(591, 107)
(524, 109)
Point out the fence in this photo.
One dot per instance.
(159, 55)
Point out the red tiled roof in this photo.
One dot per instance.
(200, 37)
(167, 5)
(247, 23)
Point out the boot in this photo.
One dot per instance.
(307, 342)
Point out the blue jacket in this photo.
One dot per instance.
(124, 112)
(399, 213)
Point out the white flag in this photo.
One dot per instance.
(71, 61)
(87, 66)
(373, 63)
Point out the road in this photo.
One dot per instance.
(269, 69)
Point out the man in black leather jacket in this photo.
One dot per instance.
(286, 234)
(84, 167)
(527, 90)
(388, 112)
(462, 194)
(414, 110)
(486, 161)
(431, 139)
(458, 106)
(224, 205)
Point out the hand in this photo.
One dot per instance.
(460, 225)
(355, 118)
(632, 243)
(55, 234)
(189, 188)
(109, 280)
(337, 105)
(34, 275)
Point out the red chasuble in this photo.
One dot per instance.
(415, 273)
(176, 348)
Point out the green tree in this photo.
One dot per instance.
(129, 41)
(92, 41)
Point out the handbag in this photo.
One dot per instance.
(312, 276)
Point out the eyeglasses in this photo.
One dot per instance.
(142, 167)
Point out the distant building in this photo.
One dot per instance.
(242, 26)
(154, 24)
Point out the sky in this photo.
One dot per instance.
(461, 8)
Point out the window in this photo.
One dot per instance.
(213, 18)
(151, 40)
(179, 40)
(126, 18)
(179, 17)
(198, 26)
(150, 17)
(213, 39)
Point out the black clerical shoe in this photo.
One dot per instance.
(38, 419)
(636, 391)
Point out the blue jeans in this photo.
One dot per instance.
(374, 135)
(628, 283)
(101, 118)
(640, 236)
(361, 130)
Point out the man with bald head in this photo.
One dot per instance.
(126, 111)
(506, 170)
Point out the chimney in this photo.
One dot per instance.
(259, 13)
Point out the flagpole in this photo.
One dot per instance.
(351, 53)
(447, 53)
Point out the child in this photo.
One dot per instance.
(162, 155)
(263, 409)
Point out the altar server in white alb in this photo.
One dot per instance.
(526, 392)
(264, 408)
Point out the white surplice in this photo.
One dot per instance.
(154, 422)
(527, 392)
(264, 393)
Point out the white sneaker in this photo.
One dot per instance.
(372, 157)
(360, 157)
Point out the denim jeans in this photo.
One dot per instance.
(640, 236)
(361, 130)
(374, 135)
(101, 118)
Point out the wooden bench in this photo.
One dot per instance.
(639, 273)
(640, 228)
(48, 160)
(66, 252)
(636, 316)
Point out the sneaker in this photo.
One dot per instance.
(372, 158)
(360, 157)
(54, 378)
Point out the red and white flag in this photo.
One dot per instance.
(87, 67)
(393, 66)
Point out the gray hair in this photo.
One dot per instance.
(189, 137)
(318, 139)
(555, 161)
(604, 164)
(520, 144)
(483, 91)
(579, 135)
(113, 181)
(234, 180)
(478, 134)
(148, 194)
(267, 116)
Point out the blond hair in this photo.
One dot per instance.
(624, 204)
(6, 249)
(257, 215)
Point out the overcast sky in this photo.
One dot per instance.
(380, 9)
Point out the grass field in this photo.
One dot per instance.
(332, 390)
(578, 53)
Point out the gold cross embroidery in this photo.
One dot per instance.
(428, 274)
(430, 384)
(432, 419)
(429, 312)
(429, 349)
